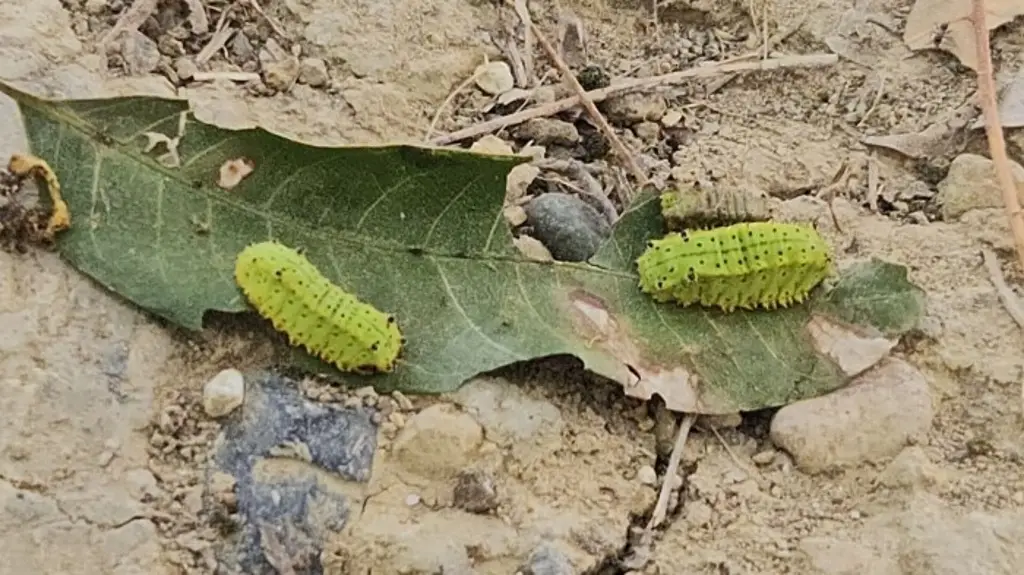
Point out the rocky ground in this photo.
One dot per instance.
(112, 462)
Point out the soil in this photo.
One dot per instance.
(104, 439)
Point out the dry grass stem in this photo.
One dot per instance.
(624, 153)
(1009, 300)
(994, 129)
(661, 507)
(635, 85)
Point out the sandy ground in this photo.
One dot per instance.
(91, 389)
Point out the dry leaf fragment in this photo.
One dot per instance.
(23, 165)
(946, 25)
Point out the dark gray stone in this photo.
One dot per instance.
(546, 560)
(298, 509)
(571, 229)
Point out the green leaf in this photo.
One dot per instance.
(418, 232)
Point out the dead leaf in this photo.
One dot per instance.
(946, 25)
(919, 145)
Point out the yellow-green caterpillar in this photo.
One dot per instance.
(332, 324)
(746, 265)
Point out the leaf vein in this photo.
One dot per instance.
(465, 316)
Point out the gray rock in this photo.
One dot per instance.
(912, 469)
(971, 184)
(223, 393)
(571, 229)
(635, 107)
(475, 492)
(546, 560)
(872, 418)
(438, 442)
(546, 131)
(141, 54)
(289, 503)
(313, 72)
(185, 68)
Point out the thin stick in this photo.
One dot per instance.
(595, 114)
(661, 507)
(273, 24)
(1006, 295)
(994, 130)
(448, 100)
(131, 19)
(732, 454)
(634, 85)
(524, 14)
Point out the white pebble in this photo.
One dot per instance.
(647, 476)
(494, 77)
(224, 393)
(412, 500)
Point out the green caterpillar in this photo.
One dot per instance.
(745, 265)
(332, 324)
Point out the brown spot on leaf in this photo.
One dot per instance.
(670, 377)
(232, 172)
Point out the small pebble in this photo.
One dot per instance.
(224, 393)
(494, 77)
(404, 403)
(646, 475)
(475, 492)
(313, 72)
(412, 500)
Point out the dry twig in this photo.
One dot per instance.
(273, 24)
(131, 19)
(448, 100)
(661, 507)
(226, 75)
(217, 41)
(994, 129)
(1010, 300)
(624, 153)
(635, 85)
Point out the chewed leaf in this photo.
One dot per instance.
(418, 233)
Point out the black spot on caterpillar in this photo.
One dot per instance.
(284, 287)
(746, 265)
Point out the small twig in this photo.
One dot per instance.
(624, 153)
(524, 14)
(634, 85)
(131, 19)
(874, 103)
(217, 41)
(226, 75)
(732, 454)
(661, 507)
(873, 187)
(1010, 300)
(273, 24)
(448, 100)
(774, 41)
(994, 129)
